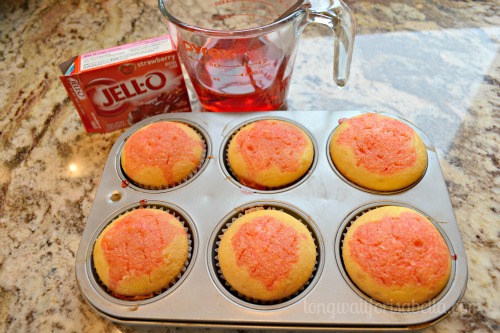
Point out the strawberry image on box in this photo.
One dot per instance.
(117, 87)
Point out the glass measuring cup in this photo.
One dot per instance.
(239, 54)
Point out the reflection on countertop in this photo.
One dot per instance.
(433, 62)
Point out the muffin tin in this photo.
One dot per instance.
(323, 200)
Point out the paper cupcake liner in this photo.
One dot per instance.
(175, 280)
(263, 188)
(250, 300)
(397, 308)
(194, 173)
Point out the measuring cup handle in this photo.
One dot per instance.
(339, 18)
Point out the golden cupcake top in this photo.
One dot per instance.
(267, 255)
(397, 256)
(162, 154)
(270, 153)
(378, 152)
(140, 252)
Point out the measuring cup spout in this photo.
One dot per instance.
(339, 18)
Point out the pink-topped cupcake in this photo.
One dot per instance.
(378, 152)
(270, 154)
(162, 154)
(396, 256)
(267, 255)
(141, 252)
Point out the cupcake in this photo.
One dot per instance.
(267, 255)
(378, 152)
(162, 154)
(396, 256)
(141, 252)
(270, 154)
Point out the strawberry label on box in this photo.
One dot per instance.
(117, 87)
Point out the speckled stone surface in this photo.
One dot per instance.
(434, 62)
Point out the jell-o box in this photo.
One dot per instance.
(115, 88)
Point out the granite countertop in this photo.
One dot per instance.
(433, 62)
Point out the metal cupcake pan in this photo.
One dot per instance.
(323, 200)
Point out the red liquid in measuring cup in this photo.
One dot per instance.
(239, 75)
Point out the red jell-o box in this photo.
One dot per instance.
(117, 87)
